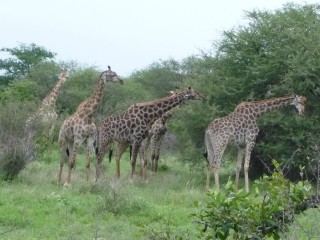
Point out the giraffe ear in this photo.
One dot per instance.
(109, 68)
(189, 88)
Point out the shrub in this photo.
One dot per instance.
(15, 148)
(252, 215)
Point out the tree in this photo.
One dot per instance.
(160, 78)
(23, 58)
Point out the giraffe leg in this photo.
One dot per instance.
(103, 148)
(51, 133)
(249, 148)
(143, 166)
(71, 162)
(238, 167)
(63, 158)
(152, 162)
(156, 157)
(121, 147)
(213, 155)
(208, 177)
(216, 163)
(88, 164)
(216, 177)
(89, 151)
(143, 159)
(135, 149)
(153, 153)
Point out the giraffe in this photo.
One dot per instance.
(240, 128)
(132, 127)
(155, 136)
(46, 112)
(79, 128)
(154, 139)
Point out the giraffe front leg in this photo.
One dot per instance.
(142, 154)
(153, 162)
(143, 167)
(156, 157)
(156, 160)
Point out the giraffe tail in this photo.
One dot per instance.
(208, 146)
(96, 142)
(110, 154)
(205, 154)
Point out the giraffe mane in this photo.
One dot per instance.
(263, 101)
(158, 100)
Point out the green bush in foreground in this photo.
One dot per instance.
(253, 215)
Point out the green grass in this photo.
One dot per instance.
(33, 206)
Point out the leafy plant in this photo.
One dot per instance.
(252, 215)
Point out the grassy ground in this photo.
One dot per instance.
(34, 207)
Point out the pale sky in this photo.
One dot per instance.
(128, 35)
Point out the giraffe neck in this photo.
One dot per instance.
(153, 110)
(51, 98)
(261, 107)
(92, 103)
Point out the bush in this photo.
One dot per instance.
(16, 149)
(252, 215)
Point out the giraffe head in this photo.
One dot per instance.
(191, 94)
(299, 102)
(64, 73)
(110, 76)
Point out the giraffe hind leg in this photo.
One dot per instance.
(71, 162)
(239, 166)
(64, 155)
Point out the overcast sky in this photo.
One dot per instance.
(129, 35)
